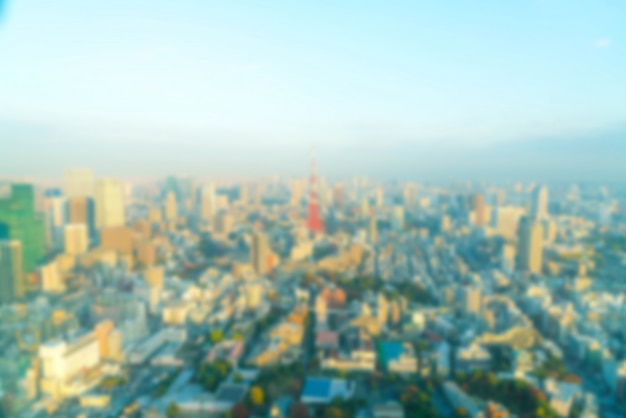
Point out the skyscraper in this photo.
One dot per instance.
(76, 239)
(539, 204)
(480, 211)
(170, 207)
(109, 203)
(373, 230)
(18, 222)
(530, 245)
(54, 220)
(78, 182)
(207, 202)
(80, 211)
(243, 194)
(12, 284)
(259, 253)
(397, 218)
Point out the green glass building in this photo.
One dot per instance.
(18, 221)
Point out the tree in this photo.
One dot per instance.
(257, 396)
(216, 336)
(172, 410)
(460, 413)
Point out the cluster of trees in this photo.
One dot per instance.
(342, 408)
(416, 402)
(413, 292)
(520, 397)
(555, 368)
(210, 375)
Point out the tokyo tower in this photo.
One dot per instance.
(314, 220)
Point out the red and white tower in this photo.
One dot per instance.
(314, 221)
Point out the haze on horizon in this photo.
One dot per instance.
(243, 88)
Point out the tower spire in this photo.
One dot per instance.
(314, 220)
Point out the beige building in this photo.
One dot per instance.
(76, 239)
(259, 253)
(109, 203)
(78, 210)
(530, 246)
(117, 238)
(170, 207)
(208, 202)
(51, 278)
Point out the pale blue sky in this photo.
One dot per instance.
(357, 78)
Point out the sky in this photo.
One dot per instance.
(246, 88)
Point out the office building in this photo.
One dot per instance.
(480, 211)
(170, 207)
(243, 195)
(208, 203)
(51, 279)
(12, 284)
(380, 197)
(409, 195)
(539, 203)
(54, 221)
(397, 218)
(76, 239)
(530, 245)
(109, 203)
(19, 222)
(224, 223)
(259, 253)
(297, 192)
(78, 182)
(373, 230)
(506, 219)
(80, 211)
(117, 238)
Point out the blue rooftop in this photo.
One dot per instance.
(317, 388)
(389, 350)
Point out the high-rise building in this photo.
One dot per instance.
(506, 219)
(54, 220)
(409, 195)
(224, 223)
(12, 283)
(78, 182)
(539, 204)
(243, 194)
(480, 211)
(80, 210)
(380, 197)
(19, 222)
(259, 253)
(297, 190)
(109, 203)
(208, 202)
(444, 225)
(365, 207)
(373, 230)
(170, 207)
(338, 196)
(530, 245)
(397, 218)
(76, 239)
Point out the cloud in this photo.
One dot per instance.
(603, 43)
